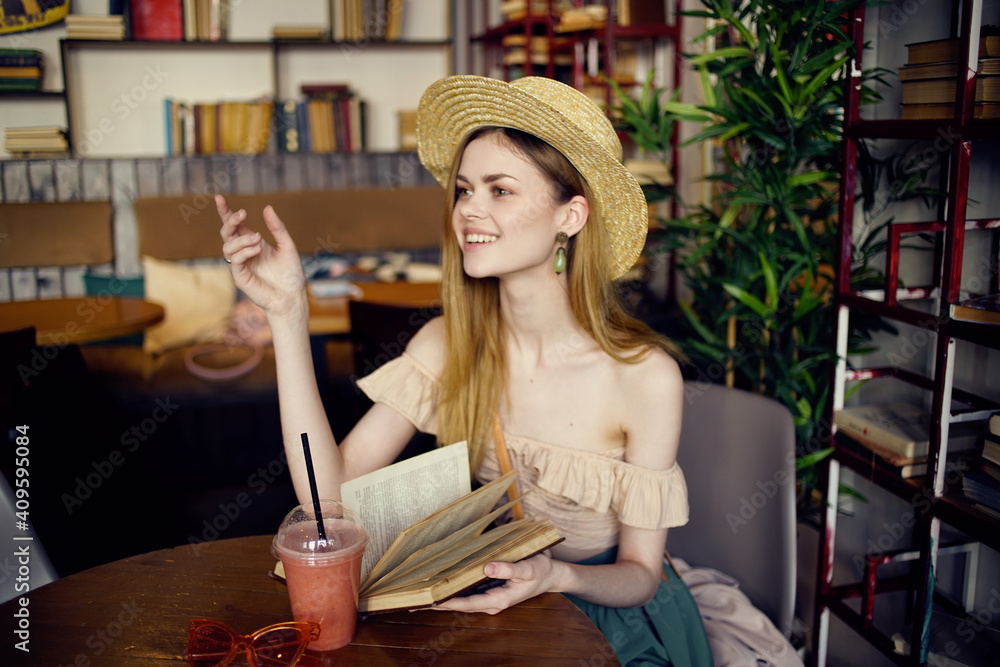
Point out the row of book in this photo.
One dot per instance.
(329, 119)
(895, 436)
(178, 20)
(932, 72)
(982, 487)
(215, 128)
(41, 141)
(21, 69)
(574, 17)
(358, 20)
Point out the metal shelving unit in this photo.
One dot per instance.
(937, 503)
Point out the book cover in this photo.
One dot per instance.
(978, 309)
(898, 427)
(980, 487)
(993, 423)
(991, 448)
(948, 70)
(161, 20)
(943, 91)
(945, 111)
(944, 50)
(21, 58)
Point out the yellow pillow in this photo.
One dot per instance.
(198, 301)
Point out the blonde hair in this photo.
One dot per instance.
(474, 374)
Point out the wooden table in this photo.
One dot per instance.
(135, 612)
(80, 319)
(328, 316)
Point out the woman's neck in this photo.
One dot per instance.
(537, 317)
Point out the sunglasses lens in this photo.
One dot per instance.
(279, 647)
(209, 645)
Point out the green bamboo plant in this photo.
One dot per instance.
(757, 259)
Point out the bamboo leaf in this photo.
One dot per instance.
(809, 460)
(748, 300)
(721, 54)
(770, 281)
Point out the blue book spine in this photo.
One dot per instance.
(304, 139)
(168, 114)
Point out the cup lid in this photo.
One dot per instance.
(298, 534)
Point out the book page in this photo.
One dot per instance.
(390, 499)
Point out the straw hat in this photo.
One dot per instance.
(559, 115)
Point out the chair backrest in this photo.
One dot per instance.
(380, 331)
(737, 451)
(319, 221)
(46, 246)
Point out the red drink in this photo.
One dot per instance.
(323, 580)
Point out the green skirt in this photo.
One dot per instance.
(665, 631)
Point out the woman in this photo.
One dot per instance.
(534, 341)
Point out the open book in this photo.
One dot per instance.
(443, 553)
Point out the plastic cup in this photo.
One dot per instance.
(323, 577)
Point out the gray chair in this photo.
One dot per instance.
(737, 452)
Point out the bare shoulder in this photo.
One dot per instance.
(653, 394)
(427, 345)
(657, 377)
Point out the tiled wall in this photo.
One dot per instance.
(124, 180)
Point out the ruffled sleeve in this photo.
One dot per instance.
(652, 499)
(408, 388)
(602, 485)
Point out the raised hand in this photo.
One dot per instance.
(271, 276)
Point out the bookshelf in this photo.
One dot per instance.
(963, 243)
(104, 89)
(580, 57)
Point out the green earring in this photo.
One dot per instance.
(560, 263)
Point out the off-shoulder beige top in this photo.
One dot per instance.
(588, 495)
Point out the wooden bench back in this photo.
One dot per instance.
(55, 234)
(320, 221)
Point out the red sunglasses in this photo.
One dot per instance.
(214, 644)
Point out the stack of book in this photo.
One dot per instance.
(984, 308)
(213, 128)
(982, 487)
(518, 50)
(95, 26)
(329, 119)
(932, 72)
(897, 434)
(42, 141)
(515, 10)
(587, 17)
(21, 69)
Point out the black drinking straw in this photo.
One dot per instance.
(312, 487)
